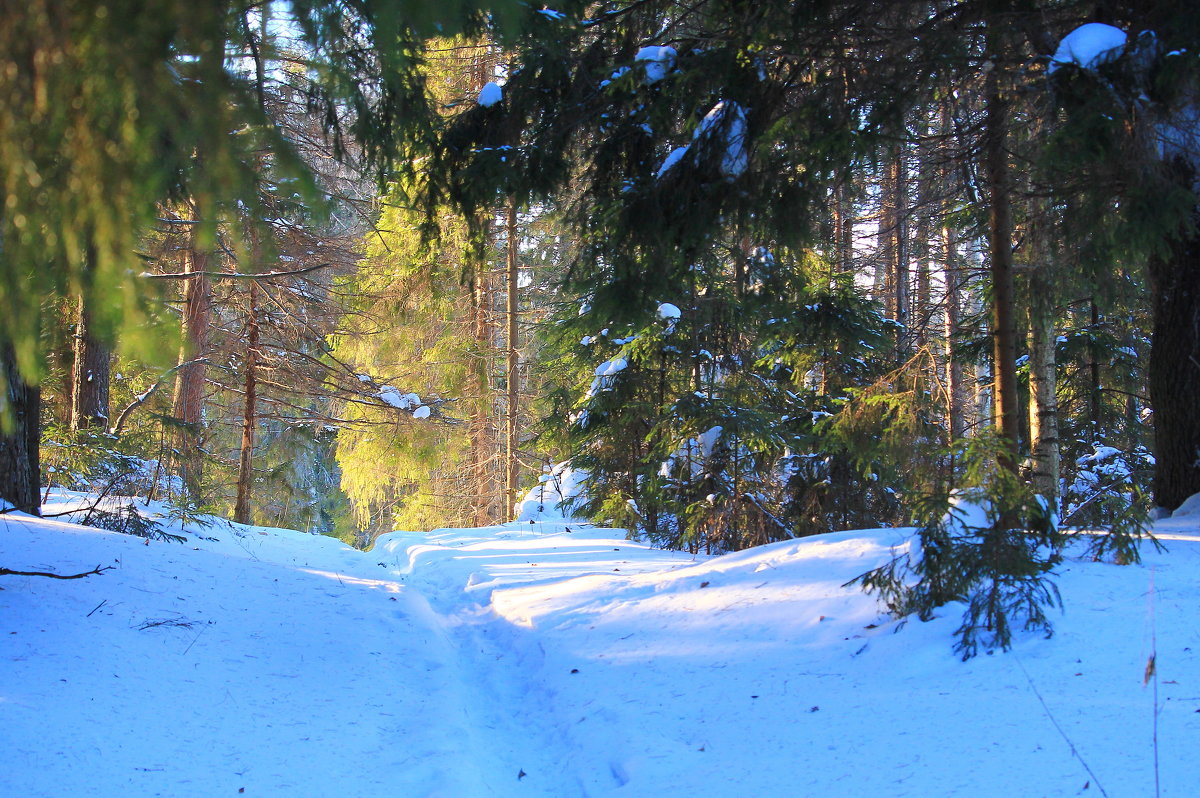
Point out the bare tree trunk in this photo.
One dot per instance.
(956, 404)
(481, 440)
(512, 433)
(241, 510)
(1004, 337)
(188, 404)
(20, 433)
(1043, 403)
(897, 189)
(90, 375)
(1095, 397)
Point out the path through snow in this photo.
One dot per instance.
(556, 660)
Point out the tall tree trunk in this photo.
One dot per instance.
(20, 434)
(956, 402)
(512, 433)
(1004, 334)
(90, 375)
(1095, 396)
(1043, 384)
(241, 510)
(897, 188)
(188, 404)
(1174, 374)
(482, 443)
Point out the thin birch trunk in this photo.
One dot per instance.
(512, 433)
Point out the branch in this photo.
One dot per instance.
(147, 394)
(234, 275)
(144, 395)
(96, 570)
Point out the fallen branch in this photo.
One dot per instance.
(96, 570)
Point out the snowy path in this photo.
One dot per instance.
(518, 661)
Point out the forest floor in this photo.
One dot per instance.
(557, 659)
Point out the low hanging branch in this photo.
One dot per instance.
(96, 570)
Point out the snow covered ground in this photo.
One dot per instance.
(552, 659)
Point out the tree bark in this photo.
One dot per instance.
(512, 433)
(188, 404)
(90, 374)
(20, 433)
(956, 402)
(1174, 374)
(241, 509)
(1044, 449)
(897, 205)
(1004, 335)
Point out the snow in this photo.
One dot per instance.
(610, 367)
(728, 120)
(490, 94)
(550, 658)
(657, 61)
(401, 401)
(550, 499)
(421, 412)
(673, 157)
(668, 311)
(1089, 46)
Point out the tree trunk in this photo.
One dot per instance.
(897, 189)
(1095, 397)
(188, 404)
(1004, 334)
(20, 434)
(90, 375)
(1174, 374)
(482, 442)
(1043, 384)
(512, 433)
(956, 403)
(241, 510)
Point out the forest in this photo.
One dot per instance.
(755, 270)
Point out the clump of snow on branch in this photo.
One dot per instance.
(657, 61)
(1089, 46)
(672, 158)
(409, 402)
(727, 120)
(490, 94)
(668, 312)
(606, 373)
(725, 124)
